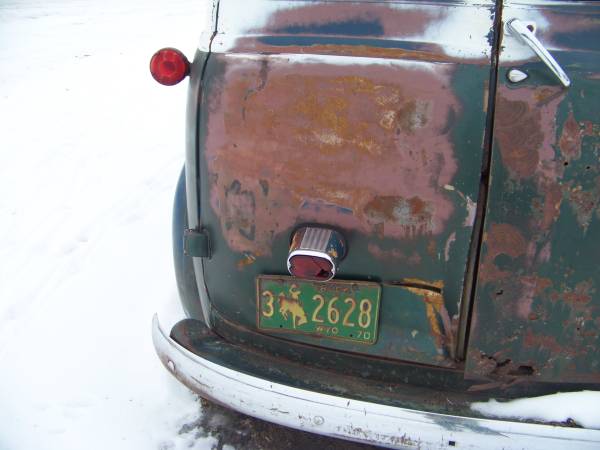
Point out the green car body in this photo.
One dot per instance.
(463, 175)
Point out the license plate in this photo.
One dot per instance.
(336, 309)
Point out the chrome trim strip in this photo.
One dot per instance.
(356, 420)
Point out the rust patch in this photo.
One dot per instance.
(247, 260)
(581, 295)
(413, 114)
(544, 95)
(501, 368)
(386, 254)
(525, 132)
(541, 284)
(305, 148)
(584, 202)
(519, 136)
(437, 315)
(394, 254)
(570, 139)
(590, 129)
(413, 213)
(552, 200)
(542, 341)
(483, 366)
(423, 284)
(432, 248)
(501, 239)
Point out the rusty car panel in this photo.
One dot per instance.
(329, 145)
(537, 309)
(374, 129)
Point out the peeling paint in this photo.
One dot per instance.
(471, 213)
(584, 202)
(570, 139)
(350, 161)
(525, 131)
(449, 243)
(501, 239)
(391, 254)
(536, 308)
(519, 135)
(437, 314)
(247, 260)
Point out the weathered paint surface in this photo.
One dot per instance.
(437, 328)
(537, 310)
(354, 149)
(328, 115)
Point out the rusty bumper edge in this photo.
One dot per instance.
(352, 419)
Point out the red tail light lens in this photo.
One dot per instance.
(311, 267)
(315, 252)
(169, 66)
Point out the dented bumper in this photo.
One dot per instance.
(351, 419)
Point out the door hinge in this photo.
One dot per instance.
(196, 243)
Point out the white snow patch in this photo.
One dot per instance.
(582, 407)
(90, 151)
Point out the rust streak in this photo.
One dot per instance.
(570, 139)
(501, 239)
(552, 201)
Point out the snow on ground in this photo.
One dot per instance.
(90, 151)
(581, 407)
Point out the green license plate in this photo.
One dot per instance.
(336, 309)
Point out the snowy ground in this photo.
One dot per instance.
(90, 151)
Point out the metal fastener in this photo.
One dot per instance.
(171, 365)
(516, 75)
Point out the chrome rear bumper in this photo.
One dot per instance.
(356, 420)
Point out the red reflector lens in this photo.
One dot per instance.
(311, 267)
(169, 66)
